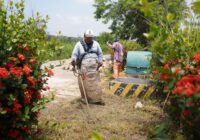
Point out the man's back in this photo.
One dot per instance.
(118, 51)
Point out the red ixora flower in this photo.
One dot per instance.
(198, 88)
(9, 65)
(186, 113)
(37, 114)
(3, 73)
(177, 61)
(178, 90)
(32, 61)
(189, 92)
(21, 56)
(13, 133)
(50, 72)
(47, 88)
(197, 57)
(20, 138)
(164, 76)
(189, 104)
(155, 72)
(26, 48)
(16, 107)
(7, 109)
(17, 72)
(26, 70)
(166, 66)
(38, 96)
(13, 59)
(27, 99)
(177, 70)
(25, 128)
(187, 85)
(31, 80)
(19, 46)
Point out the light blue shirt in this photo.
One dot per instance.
(78, 51)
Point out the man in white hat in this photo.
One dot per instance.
(87, 56)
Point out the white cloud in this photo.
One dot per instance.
(84, 1)
(68, 19)
(72, 25)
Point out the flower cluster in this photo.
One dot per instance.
(188, 85)
(181, 78)
(21, 85)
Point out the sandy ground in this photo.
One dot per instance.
(63, 83)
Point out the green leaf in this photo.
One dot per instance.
(142, 2)
(2, 112)
(170, 17)
(51, 54)
(96, 136)
(159, 133)
(36, 108)
(27, 109)
(196, 6)
(146, 35)
(21, 16)
(53, 125)
(11, 3)
(46, 123)
(38, 52)
(172, 83)
(11, 17)
(14, 40)
(9, 48)
(11, 98)
(17, 5)
(21, 4)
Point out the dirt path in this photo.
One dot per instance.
(68, 119)
(63, 84)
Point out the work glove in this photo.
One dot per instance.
(99, 65)
(73, 63)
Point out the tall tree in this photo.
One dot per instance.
(128, 21)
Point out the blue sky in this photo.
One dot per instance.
(71, 17)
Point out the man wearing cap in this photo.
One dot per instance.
(118, 57)
(87, 56)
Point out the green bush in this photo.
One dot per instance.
(131, 45)
(175, 63)
(181, 79)
(21, 78)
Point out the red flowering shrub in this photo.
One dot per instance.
(181, 79)
(177, 73)
(21, 78)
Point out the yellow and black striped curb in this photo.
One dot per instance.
(132, 89)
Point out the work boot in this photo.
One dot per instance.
(83, 101)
